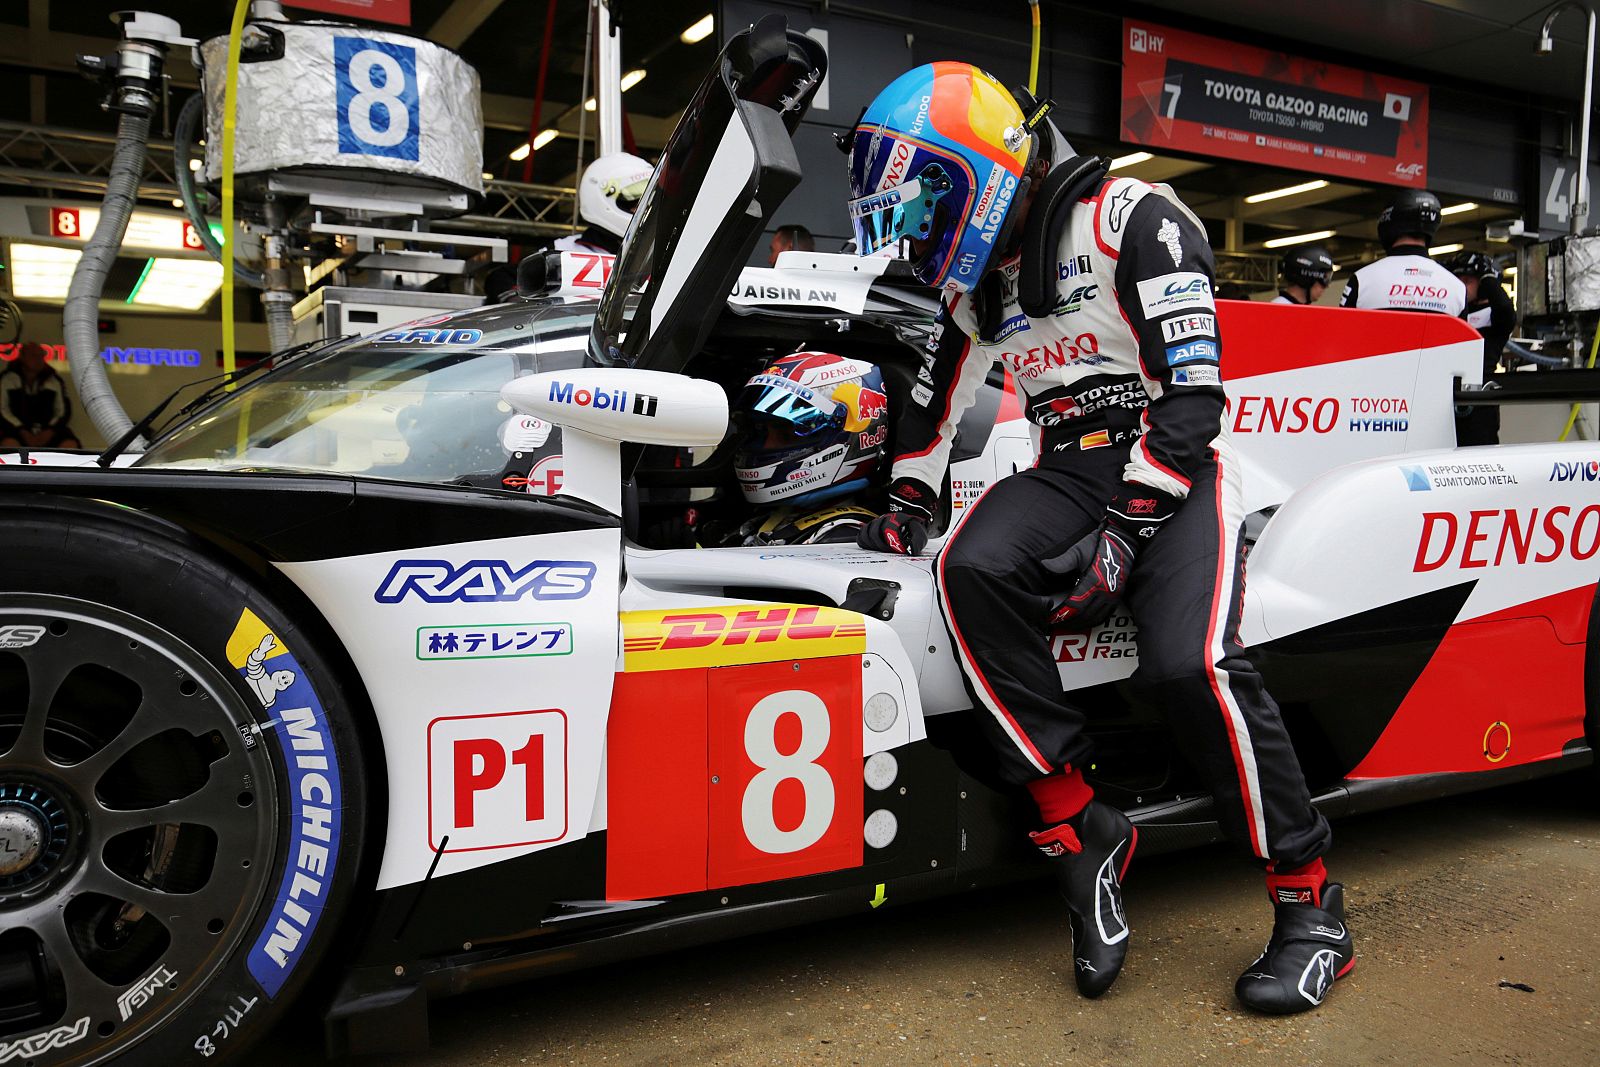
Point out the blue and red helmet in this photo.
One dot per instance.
(811, 427)
(939, 158)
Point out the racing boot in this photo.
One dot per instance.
(1310, 949)
(1089, 854)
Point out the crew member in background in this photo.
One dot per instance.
(1491, 313)
(790, 238)
(1406, 278)
(1097, 293)
(1306, 274)
(34, 409)
(608, 194)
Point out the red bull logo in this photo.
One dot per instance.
(872, 404)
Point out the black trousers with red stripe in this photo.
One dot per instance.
(1186, 594)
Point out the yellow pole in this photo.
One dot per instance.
(1572, 416)
(1033, 61)
(230, 104)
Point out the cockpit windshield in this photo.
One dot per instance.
(418, 403)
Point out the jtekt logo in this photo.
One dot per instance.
(484, 581)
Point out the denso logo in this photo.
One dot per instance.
(1281, 414)
(895, 171)
(484, 581)
(1036, 361)
(1578, 471)
(1419, 292)
(1518, 536)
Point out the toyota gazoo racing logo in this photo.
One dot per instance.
(603, 399)
(484, 581)
(1578, 471)
(1057, 411)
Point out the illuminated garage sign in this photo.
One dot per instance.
(1199, 94)
(150, 357)
(146, 229)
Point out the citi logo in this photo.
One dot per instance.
(1575, 472)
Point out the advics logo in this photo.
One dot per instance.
(484, 581)
(1579, 471)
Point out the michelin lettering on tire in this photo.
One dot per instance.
(297, 721)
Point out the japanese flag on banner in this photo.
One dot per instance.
(397, 12)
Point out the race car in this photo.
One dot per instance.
(352, 679)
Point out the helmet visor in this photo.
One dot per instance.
(772, 397)
(882, 220)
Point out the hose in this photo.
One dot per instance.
(1033, 60)
(80, 318)
(279, 307)
(183, 150)
(230, 109)
(1572, 417)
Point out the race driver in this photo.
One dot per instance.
(1491, 312)
(1407, 278)
(1096, 293)
(1306, 274)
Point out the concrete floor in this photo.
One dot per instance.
(1449, 902)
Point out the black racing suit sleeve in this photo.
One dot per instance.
(1163, 254)
(1502, 323)
(952, 370)
(1352, 292)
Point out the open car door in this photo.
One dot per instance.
(727, 167)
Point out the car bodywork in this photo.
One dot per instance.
(590, 746)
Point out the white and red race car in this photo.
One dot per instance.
(352, 675)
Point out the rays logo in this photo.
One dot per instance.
(484, 581)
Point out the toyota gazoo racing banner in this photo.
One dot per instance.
(1194, 93)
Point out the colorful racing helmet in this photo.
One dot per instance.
(811, 427)
(938, 158)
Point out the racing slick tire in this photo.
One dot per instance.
(181, 795)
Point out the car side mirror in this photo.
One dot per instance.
(600, 408)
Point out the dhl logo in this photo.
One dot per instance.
(722, 637)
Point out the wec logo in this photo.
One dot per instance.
(484, 581)
(1575, 472)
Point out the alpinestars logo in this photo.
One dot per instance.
(1318, 975)
(484, 581)
(1108, 901)
(1120, 203)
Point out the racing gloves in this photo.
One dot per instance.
(903, 530)
(1103, 558)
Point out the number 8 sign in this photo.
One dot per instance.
(379, 112)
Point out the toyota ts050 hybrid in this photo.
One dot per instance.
(395, 668)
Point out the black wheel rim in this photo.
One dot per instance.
(140, 808)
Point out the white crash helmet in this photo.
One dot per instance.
(610, 190)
